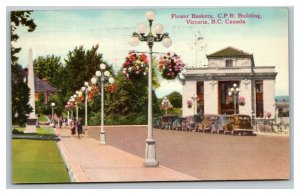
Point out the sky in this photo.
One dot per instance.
(60, 31)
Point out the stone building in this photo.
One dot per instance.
(211, 84)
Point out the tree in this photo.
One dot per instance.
(20, 91)
(176, 99)
(49, 68)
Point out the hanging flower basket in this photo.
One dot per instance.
(229, 100)
(189, 103)
(110, 88)
(135, 65)
(170, 65)
(94, 91)
(242, 101)
(269, 114)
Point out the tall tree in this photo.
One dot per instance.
(20, 90)
(49, 68)
(175, 99)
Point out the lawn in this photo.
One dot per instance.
(45, 130)
(37, 161)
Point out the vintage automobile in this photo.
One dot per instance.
(210, 123)
(238, 124)
(168, 121)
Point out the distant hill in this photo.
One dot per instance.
(282, 98)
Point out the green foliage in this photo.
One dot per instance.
(20, 103)
(15, 131)
(37, 161)
(20, 90)
(43, 118)
(19, 18)
(176, 99)
(49, 68)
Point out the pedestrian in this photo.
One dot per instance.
(73, 127)
(79, 127)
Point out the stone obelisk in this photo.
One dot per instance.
(32, 119)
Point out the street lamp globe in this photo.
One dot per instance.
(232, 90)
(107, 73)
(77, 92)
(52, 104)
(82, 88)
(98, 73)
(234, 85)
(102, 66)
(142, 28)
(86, 83)
(111, 80)
(229, 93)
(237, 89)
(158, 29)
(167, 42)
(89, 88)
(94, 80)
(134, 41)
(150, 15)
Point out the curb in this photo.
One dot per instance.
(75, 172)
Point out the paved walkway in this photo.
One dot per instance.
(90, 161)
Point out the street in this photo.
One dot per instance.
(208, 156)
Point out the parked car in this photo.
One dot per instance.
(238, 124)
(209, 123)
(167, 121)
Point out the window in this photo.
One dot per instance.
(259, 98)
(200, 95)
(229, 63)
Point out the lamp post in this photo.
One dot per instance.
(150, 156)
(86, 88)
(53, 105)
(102, 76)
(235, 92)
(166, 104)
(194, 98)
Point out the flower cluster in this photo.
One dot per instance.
(242, 101)
(135, 65)
(94, 91)
(170, 65)
(229, 100)
(80, 97)
(268, 114)
(189, 103)
(110, 88)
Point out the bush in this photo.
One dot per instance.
(15, 131)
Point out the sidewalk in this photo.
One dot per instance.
(89, 161)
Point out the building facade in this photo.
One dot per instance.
(208, 87)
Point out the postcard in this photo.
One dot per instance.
(150, 95)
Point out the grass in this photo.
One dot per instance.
(37, 161)
(45, 130)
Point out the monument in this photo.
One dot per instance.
(32, 119)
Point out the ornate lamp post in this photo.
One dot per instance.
(166, 104)
(235, 92)
(86, 88)
(150, 156)
(194, 98)
(52, 105)
(102, 77)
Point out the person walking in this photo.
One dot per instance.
(73, 127)
(79, 127)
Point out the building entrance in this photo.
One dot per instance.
(226, 102)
